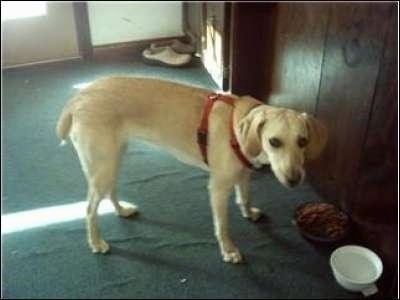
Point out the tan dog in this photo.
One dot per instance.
(103, 116)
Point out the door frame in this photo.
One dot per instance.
(81, 16)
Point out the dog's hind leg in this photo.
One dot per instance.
(122, 208)
(96, 243)
(243, 199)
(99, 152)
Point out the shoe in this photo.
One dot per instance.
(176, 45)
(165, 56)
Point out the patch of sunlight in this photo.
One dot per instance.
(81, 86)
(40, 217)
(212, 54)
(22, 9)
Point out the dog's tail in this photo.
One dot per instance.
(64, 124)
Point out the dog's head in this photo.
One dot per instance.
(283, 138)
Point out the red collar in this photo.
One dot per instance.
(202, 131)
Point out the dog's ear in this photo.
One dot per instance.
(250, 128)
(318, 136)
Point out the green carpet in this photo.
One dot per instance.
(168, 250)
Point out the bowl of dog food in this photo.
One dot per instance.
(321, 222)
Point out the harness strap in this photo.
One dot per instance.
(202, 131)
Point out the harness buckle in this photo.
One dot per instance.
(213, 96)
(234, 143)
(202, 137)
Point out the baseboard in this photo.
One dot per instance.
(118, 50)
(43, 62)
(109, 51)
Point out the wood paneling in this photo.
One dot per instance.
(253, 25)
(338, 60)
(374, 205)
(298, 53)
(378, 163)
(354, 46)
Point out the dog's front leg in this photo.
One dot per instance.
(243, 198)
(219, 195)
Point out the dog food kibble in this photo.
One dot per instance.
(322, 220)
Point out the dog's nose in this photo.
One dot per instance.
(294, 180)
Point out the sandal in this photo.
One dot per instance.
(165, 56)
(176, 45)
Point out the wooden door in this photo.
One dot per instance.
(215, 41)
(208, 25)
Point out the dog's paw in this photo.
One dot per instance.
(254, 214)
(99, 247)
(232, 256)
(127, 209)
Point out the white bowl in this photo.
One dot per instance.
(356, 268)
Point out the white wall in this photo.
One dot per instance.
(40, 38)
(116, 22)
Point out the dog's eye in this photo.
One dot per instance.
(302, 142)
(276, 143)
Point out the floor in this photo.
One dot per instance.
(168, 250)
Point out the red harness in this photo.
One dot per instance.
(202, 131)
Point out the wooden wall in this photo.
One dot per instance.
(337, 61)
